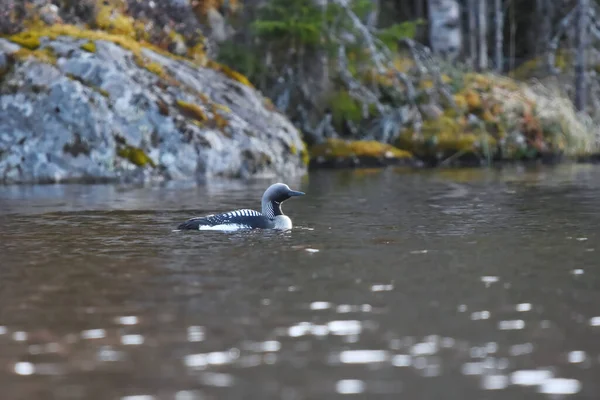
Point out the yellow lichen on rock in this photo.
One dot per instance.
(446, 136)
(192, 111)
(197, 53)
(44, 55)
(230, 73)
(305, 155)
(111, 18)
(155, 68)
(334, 148)
(500, 117)
(119, 35)
(89, 47)
(135, 156)
(28, 39)
(220, 122)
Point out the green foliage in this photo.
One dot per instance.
(404, 30)
(242, 57)
(297, 20)
(344, 107)
(362, 7)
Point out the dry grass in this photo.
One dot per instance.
(556, 114)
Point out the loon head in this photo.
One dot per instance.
(276, 194)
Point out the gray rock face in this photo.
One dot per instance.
(102, 117)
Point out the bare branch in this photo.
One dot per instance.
(553, 45)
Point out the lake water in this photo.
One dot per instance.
(437, 284)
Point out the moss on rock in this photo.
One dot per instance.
(110, 17)
(352, 153)
(135, 156)
(230, 73)
(90, 47)
(45, 55)
(192, 111)
(499, 118)
(27, 39)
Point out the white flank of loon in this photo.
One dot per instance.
(271, 217)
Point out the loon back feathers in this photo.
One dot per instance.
(241, 219)
(272, 216)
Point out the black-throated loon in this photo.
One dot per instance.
(271, 217)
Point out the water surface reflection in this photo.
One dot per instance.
(434, 284)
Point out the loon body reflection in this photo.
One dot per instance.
(271, 217)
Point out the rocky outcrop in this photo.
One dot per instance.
(81, 109)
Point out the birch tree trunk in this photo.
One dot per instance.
(582, 40)
(472, 12)
(482, 22)
(444, 28)
(499, 25)
(545, 9)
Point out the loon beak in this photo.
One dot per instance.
(293, 193)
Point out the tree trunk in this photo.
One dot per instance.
(419, 9)
(483, 49)
(472, 12)
(545, 9)
(499, 25)
(445, 35)
(582, 39)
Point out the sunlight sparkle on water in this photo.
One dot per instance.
(419, 252)
(520, 349)
(401, 360)
(511, 325)
(138, 397)
(93, 334)
(494, 382)
(127, 320)
(301, 329)
(363, 356)
(350, 327)
(350, 386)
(188, 395)
(560, 386)
(472, 368)
(107, 354)
(213, 358)
(320, 305)
(307, 328)
(479, 315)
(530, 377)
(195, 333)
(266, 346)
(217, 379)
(576, 357)
(424, 348)
(488, 280)
(132, 339)
(382, 288)
(347, 308)
(523, 307)
(24, 368)
(19, 336)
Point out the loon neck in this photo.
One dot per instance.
(271, 208)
